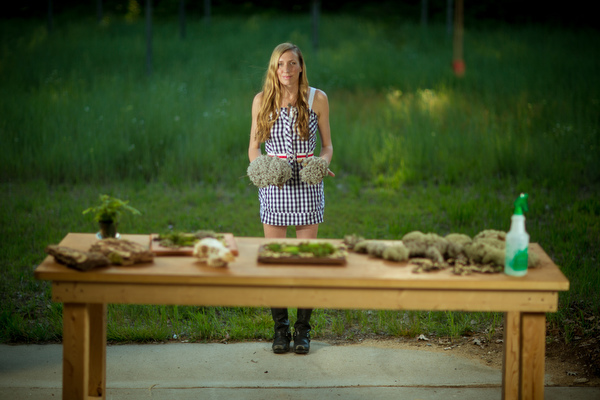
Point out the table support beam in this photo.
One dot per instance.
(523, 365)
(97, 382)
(84, 351)
(305, 297)
(533, 349)
(76, 351)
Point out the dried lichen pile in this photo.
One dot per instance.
(314, 169)
(265, 170)
(429, 251)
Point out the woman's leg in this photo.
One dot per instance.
(282, 335)
(307, 231)
(274, 232)
(302, 326)
(302, 331)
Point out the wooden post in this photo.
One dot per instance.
(524, 352)
(458, 63)
(76, 351)
(97, 359)
(533, 352)
(512, 356)
(148, 37)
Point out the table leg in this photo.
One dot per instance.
(76, 351)
(512, 356)
(524, 356)
(97, 361)
(533, 352)
(84, 351)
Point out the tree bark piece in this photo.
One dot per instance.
(122, 252)
(77, 259)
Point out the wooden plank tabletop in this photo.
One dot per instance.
(360, 271)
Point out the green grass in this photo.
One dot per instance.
(415, 149)
(36, 214)
(81, 107)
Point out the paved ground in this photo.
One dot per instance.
(251, 371)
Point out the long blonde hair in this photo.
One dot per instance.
(269, 108)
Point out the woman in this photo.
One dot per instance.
(286, 116)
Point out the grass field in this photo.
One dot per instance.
(415, 149)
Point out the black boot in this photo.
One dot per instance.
(282, 337)
(302, 331)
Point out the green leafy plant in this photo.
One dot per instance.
(110, 209)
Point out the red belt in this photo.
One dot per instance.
(299, 156)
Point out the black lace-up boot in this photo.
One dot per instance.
(302, 331)
(282, 337)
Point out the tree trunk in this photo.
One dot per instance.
(99, 11)
(207, 12)
(449, 17)
(458, 63)
(149, 37)
(315, 12)
(182, 18)
(424, 12)
(50, 22)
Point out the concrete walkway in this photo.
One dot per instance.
(251, 371)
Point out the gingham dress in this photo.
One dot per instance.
(296, 203)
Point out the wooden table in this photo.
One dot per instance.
(363, 283)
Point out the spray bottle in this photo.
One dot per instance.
(517, 241)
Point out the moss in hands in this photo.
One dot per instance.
(314, 169)
(265, 170)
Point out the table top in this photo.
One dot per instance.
(360, 271)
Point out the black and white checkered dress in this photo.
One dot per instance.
(296, 203)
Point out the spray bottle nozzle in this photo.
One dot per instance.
(521, 204)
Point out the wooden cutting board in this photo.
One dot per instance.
(159, 250)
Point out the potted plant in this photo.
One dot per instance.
(107, 214)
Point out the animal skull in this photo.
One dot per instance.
(213, 252)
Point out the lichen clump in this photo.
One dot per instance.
(314, 169)
(457, 243)
(266, 170)
(429, 251)
(389, 250)
(396, 251)
(351, 240)
(428, 245)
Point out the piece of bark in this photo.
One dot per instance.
(77, 259)
(123, 252)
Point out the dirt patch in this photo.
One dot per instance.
(566, 365)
